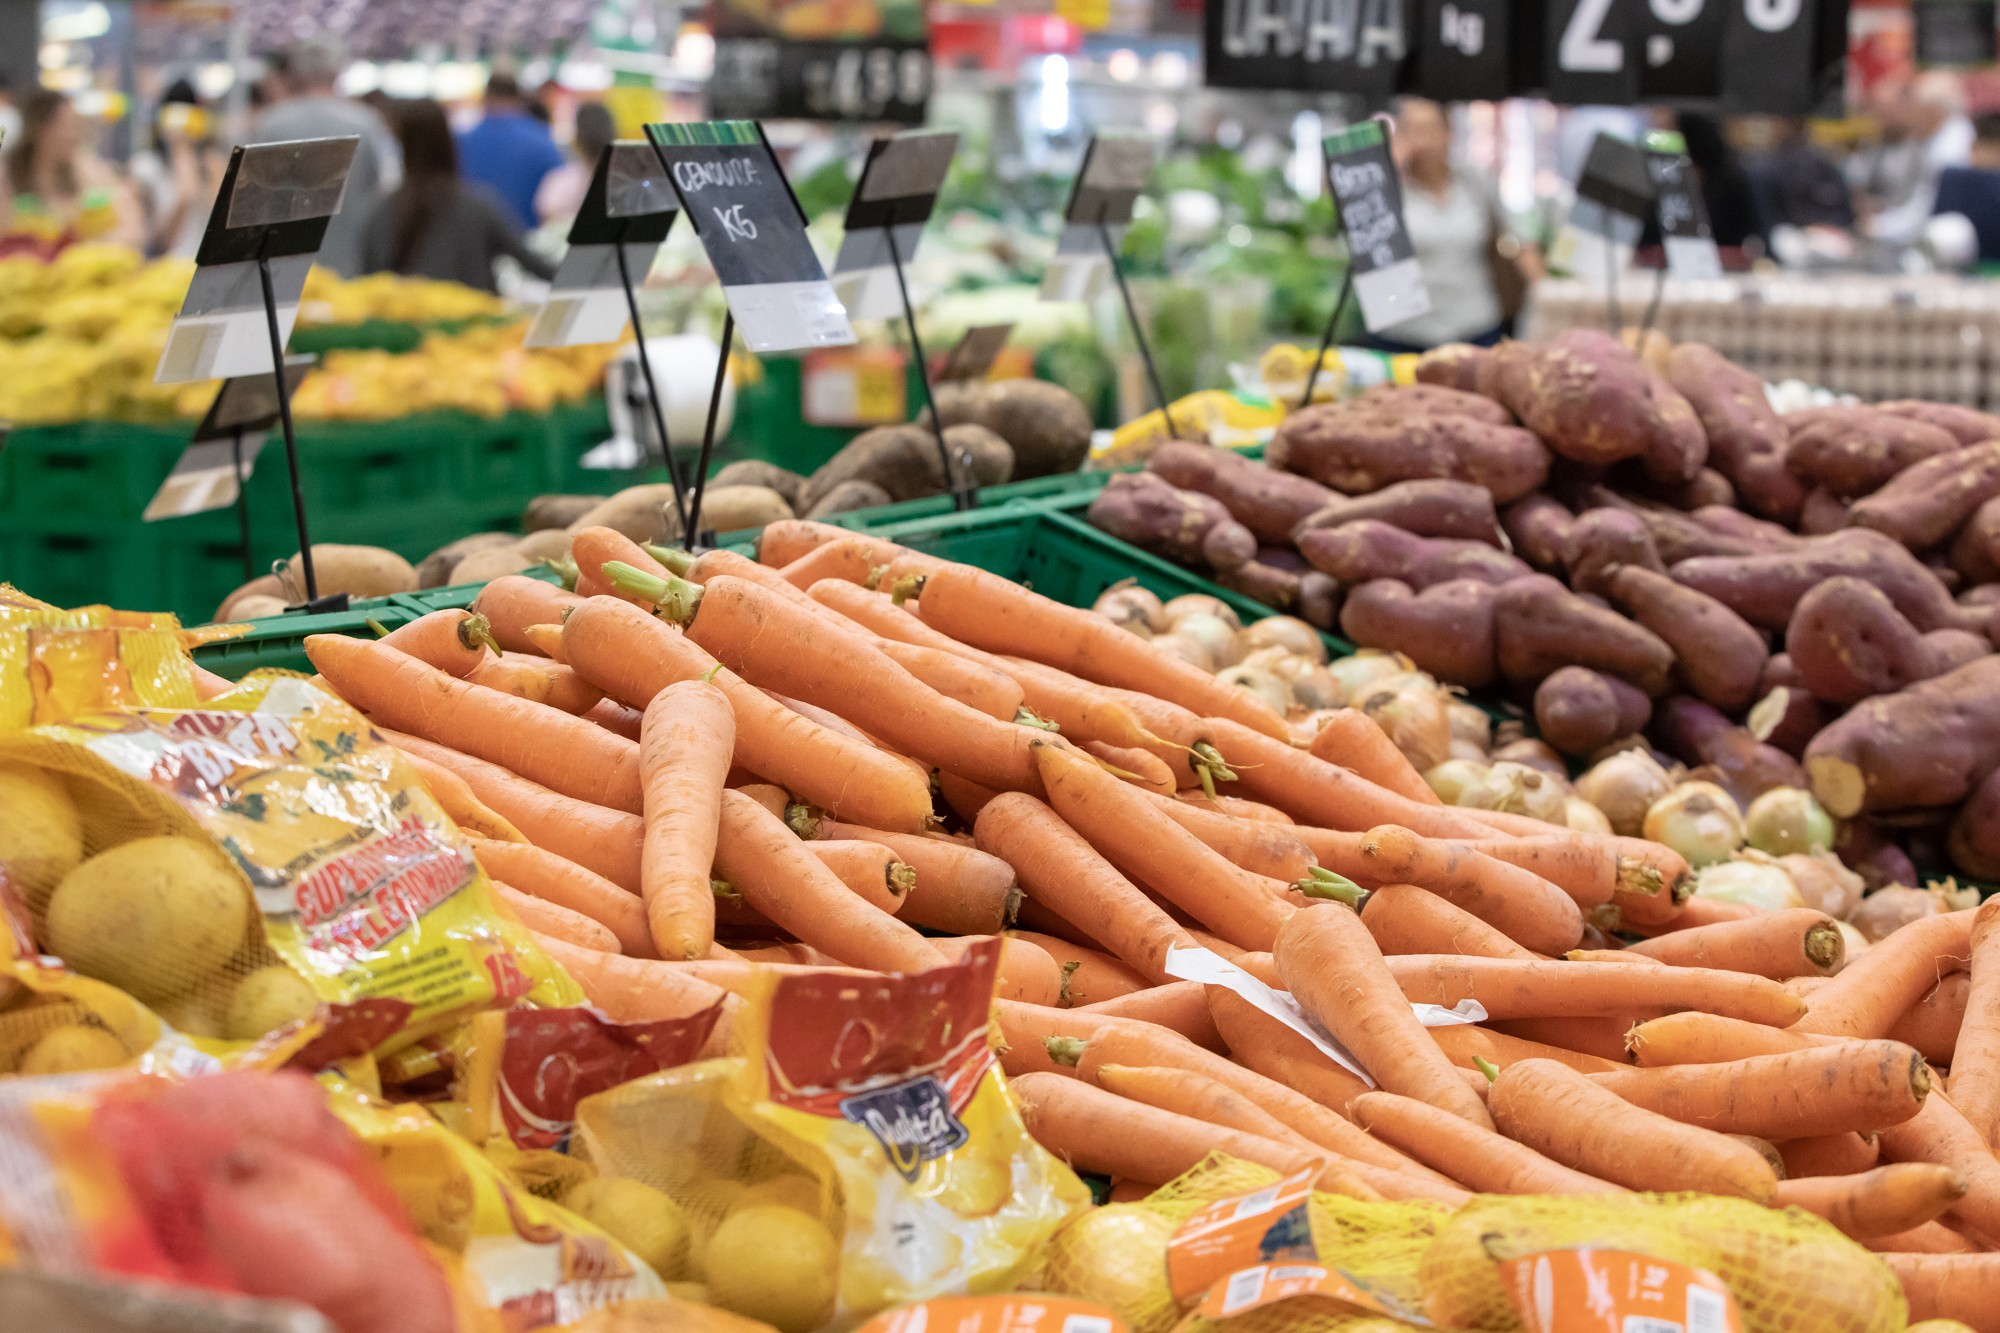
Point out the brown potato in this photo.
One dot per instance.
(435, 569)
(358, 571)
(847, 497)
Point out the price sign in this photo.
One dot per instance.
(1368, 192)
(1614, 196)
(1954, 33)
(1588, 49)
(976, 352)
(1461, 51)
(754, 232)
(1677, 203)
(1681, 47)
(630, 208)
(1617, 177)
(876, 80)
(1116, 166)
(885, 219)
(1355, 47)
(1771, 57)
(222, 453)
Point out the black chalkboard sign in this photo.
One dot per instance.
(1680, 209)
(1617, 176)
(1357, 47)
(885, 219)
(1116, 166)
(626, 213)
(1770, 56)
(1589, 51)
(1680, 44)
(1460, 52)
(1368, 194)
(1954, 33)
(877, 80)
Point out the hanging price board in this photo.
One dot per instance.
(1357, 47)
(1116, 166)
(626, 214)
(1460, 51)
(1678, 205)
(1588, 53)
(1680, 46)
(1368, 192)
(754, 233)
(974, 356)
(893, 199)
(1771, 56)
(763, 78)
(1953, 34)
(212, 470)
(1614, 197)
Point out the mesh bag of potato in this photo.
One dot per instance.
(859, 1151)
(234, 865)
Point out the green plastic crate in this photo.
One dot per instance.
(280, 641)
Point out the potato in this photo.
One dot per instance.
(1358, 552)
(1968, 425)
(643, 513)
(435, 569)
(1792, 722)
(1046, 426)
(1435, 507)
(957, 401)
(1586, 396)
(1275, 587)
(1264, 499)
(489, 564)
(756, 472)
(1355, 450)
(557, 511)
(1765, 589)
(1974, 841)
(548, 544)
(1580, 711)
(847, 497)
(1854, 450)
(1437, 399)
(1736, 760)
(1447, 629)
(358, 571)
(1143, 509)
(1602, 540)
(902, 459)
(257, 606)
(1540, 627)
(1747, 440)
(1924, 747)
(1537, 526)
(1718, 654)
(1455, 366)
(264, 585)
(735, 509)
(1975, 553)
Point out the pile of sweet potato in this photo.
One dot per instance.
(1635, 544)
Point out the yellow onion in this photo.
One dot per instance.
(1785, 820)
(1289, 633)
(1624, 787)
(1761, 883)
(1699, 820)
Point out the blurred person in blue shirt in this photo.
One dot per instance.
(510, 150)
(1975, 190)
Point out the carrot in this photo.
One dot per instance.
(710, 564)
(956, 889)
(1510, 988)
(790, 539)
(593, 548)
(1832, 1089)
(1261, 966)
(1694, 913)
(455, 796)
(547, 918)
(1590, 870)
(1964, 1287)
(1027, 974)
(1609, 956)
(1001, 616)
(852, 559)
(1320, 794)
(803, 955)
(775, 874)
(566, 884)
(747, 979)
(1880, 1202)
(1142, 767)
(547, 640)
(1873, 991)
(687, 739)
(1477, 1158)
(1088, 976)
(1406, 919)
(964, 799)
(1975, 1073)
(1354, 741)
(454, 641)
(1145, 842)
(616, 718)
(1179, 1006)
(1233, 805)
(208, 685)
(513, 602)
(1930, 1238)
(1258, 847)
(1464, 1043)
(1601, 1038)
(1332, 967)
(632, 657)
(775, 799)
(1261, 1043)
(597, 838)
(1028, 1032)
(1939, 1134)
(831, 720)
(1829, 1155)
(633, 990)
(871, 870)
(538, 742)
(1567, 1116)
(1795, 943)
(980, 688)
(1693, 1038)
(536, 679)
(1932, 1024)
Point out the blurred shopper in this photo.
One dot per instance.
(178, 172)
(58, 190)
(1796, 184)
(562, 190)
(305, 106)
(1734, 216)
(510, 150)
(438, 225)
(1974, 191)
(1924, 130)
(1474, 268)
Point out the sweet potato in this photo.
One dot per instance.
(1431, 508)
(1975, 553)
(1823, 512)
(1733, 522)
(1747, 440)
(1678, 446)
(1850, 643)
(1264, 499)
(1447, 629)
(1602, 540)
(1852, 451)
(1591, 400)
(756, 472)
(1968, 425)
(1743, 765)
(1708, 489)
(1319, 600)
(1764, 589)
(903, 460)
(1927, 502)
(1261, 581)
(1358, 552)
(1924, 747)
(1873, 853)
(1580, 711)
(1788, 720)
(1539, 627)
(1677, 536)
(1455, 366)
(1145, 510)
(1538, 526)
(1359, 450)
(846, 497)
(1718, 653)
(1438, 399)
(1951, 649)
(1974, 842)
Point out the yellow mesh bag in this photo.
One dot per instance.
(1790, 1272)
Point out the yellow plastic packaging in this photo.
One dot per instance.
(1220, 418)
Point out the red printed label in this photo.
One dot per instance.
(551, 1059)
(1615, 1291)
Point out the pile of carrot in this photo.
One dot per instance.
(847, 754)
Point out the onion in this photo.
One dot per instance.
(1133, 607)
(1517, 790)
(1265, 684)
(1857, 943)
(1357, 674)
(1785, 820)
(1188, 648)
(1470, 722)
(1451, 778)
(1416, 720)
(1584, 817)
(1465, 749)
(1213, 633)
(1289, 633)
(1886, 911)
(1762, 884)
(1697, 819)
(1624, 787)
(1825, 884)
(1200, 604)
(1535, 754)
(1312, 687)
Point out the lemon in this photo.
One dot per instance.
(72, 1049)
(800, 1192)
(41, 835)
(191, 1015)
(153, 917)
(637, 1216)
(775, 1264)
(971, 1184)
(1117, 1256)
(269, 997)
(694, 1293)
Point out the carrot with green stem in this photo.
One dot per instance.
(1466, 1045)
(1568, 1117)
(1478, 1158)
(1406, 919)
(1975, 1071)
(1142, 768)
(1352, 740)
(1240, 807)
(454, 641)
(1332, 967)
(538, 680)
(1178, 1006)
(1832, 1089)
(1026, 1032)
(711, 564)
(1088, 976)
(958, 889)
(458, 800)
(632, 657)
(513, 602)
(1872, 992)
(1795, 943)
(685, 747)
(555, 880)
(1511, 988)
(593, 548)
(1880, 1202)
(793, 538)
(1320, 794)
(1590, 870)
(852, 559)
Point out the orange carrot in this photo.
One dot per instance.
(567, 884)
(1603, 1038)
(1353, 740)
(632, 657)
(1477, 1158)
(1027, 1031)
(208, 685)
(688, 737)
(1027, 974)
(456, 797)
(775, 799)
(454, 641)
(1330, 964)
(1932, 1024)
(1829, 1155)
(1848, 1086)
(1261, 1043)
(1567, 1116)
(547, 640)
(633, 990)
(538, 742)
(1940, 1135)
(513, 602)
(1693, 1038)
(1778, 945)
(1975, 1075)
(1510, 988)
(1142, 767)
(1870, 993)
(1463, 1044)
(1324, 795)
(1960, 1287)
(980, 688)
(1060, 869)
(593, 548)
(1257, 846)
(1694, 913)
(1087, 975)
(1591, 870)
(616, 718)
(791, 539)
(775, 874)
(547, 918)
(536, 679)
(1930, 1238)
(1406, 919)
(1179, 1006)
(710, 564)
(1233, 805)
(1880, 1202)
(871, 870)
(851, 559)
(957, 889)
(1259, 965)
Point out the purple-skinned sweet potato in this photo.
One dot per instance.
(1678, 446)
(1872, 852)
(1765, 589)
(1924, 747)
(1446, 629)
(1182, 525)
(1697, 734)
(1975, 552)
(1968, 425)
(1319, 600)
(1537, 526)
(1747, 440)
(1823, 512)
(1718, 654)
(1849, 643)
(1356, 450)
(1454, 365)
(1368, 549)
(1708, 489)
(1789, 720)
(1929, 501)
(1604, 539)
(1732, 522)
(1676, 536)
(1264, 499)
(1580, 711)
(1438, 399)
(1854, 451)
(1585, 394)
(1275, 587)
(1951, 649)
(1434, 507)
(1540, 627)
(1974, 841)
